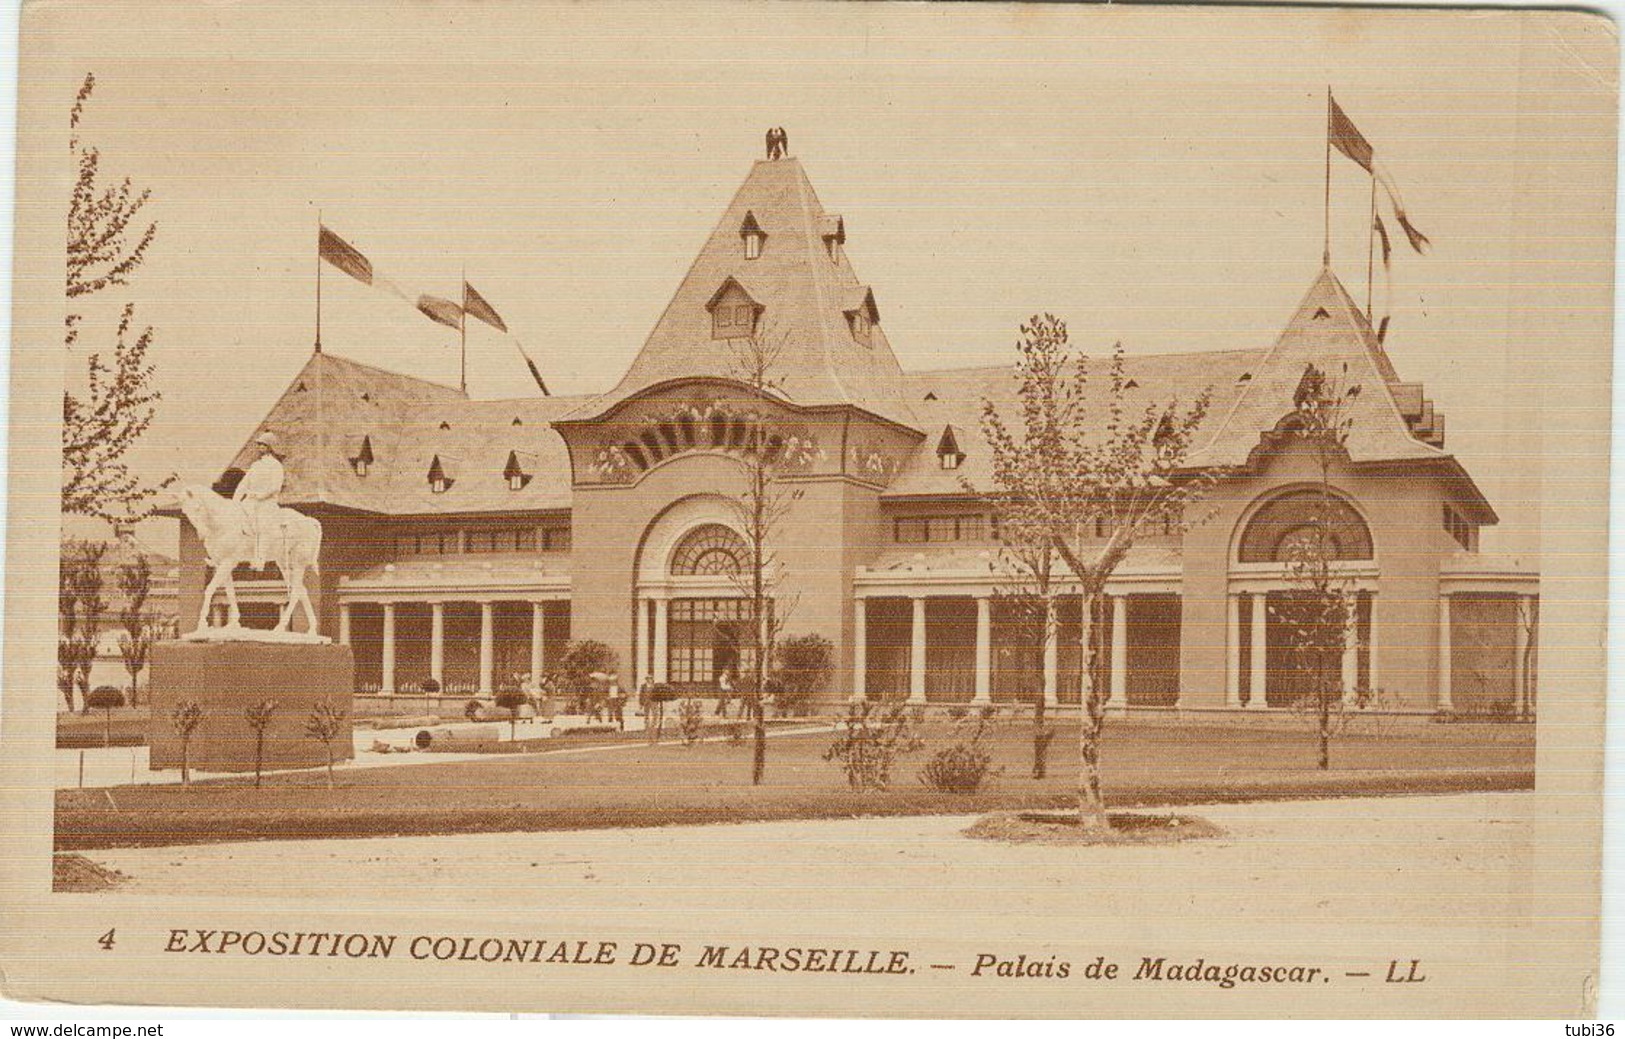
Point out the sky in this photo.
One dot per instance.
(1152, 175)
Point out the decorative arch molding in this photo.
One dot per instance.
(1265, 530)
(1288, 430)
(675, 524)
(735, 428)
(709, 550)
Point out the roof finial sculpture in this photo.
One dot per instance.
(778, 143)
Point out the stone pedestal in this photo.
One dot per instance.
(225, 678)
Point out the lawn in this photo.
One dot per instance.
(647, 785)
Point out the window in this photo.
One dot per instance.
(1281, 525)
(555, 539)
(833, 245)
(860, 326)
(506, 539)
(753, 236)
(360, 465)
(917, 530)
(516, 481)
(428, 543)
(439, 484)
(708, 550)
(1459, 528)
(733, 312)
(951, 461)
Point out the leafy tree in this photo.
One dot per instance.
(259, 718)
(1322, 608)
(135, 645)
(105, 245)
(1070, 465)
(80, 607)
(760, 510)
(185, 718)
(806, 664)
(104, 698)
(582, 658)
(326, 725)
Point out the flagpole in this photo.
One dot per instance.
(1370, 249)
(318, 281)
(462, 330)
(1326, 241)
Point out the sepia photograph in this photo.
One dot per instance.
(809, 509)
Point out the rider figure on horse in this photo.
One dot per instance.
(257, 491)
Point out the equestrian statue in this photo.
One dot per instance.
(251, 527)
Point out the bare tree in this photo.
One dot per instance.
(325, 725)
(760, 510)
(1067, 468)
(185, 718)
(259, 718)
(1323, 609)
(135, 645)
(1528, 618)
(105, 245)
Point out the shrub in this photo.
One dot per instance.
(869, 744)
(430, 687)
(690, 719)
(259, 718)
(958, 712)
(805, 665)
(962, 767)
(471, 710)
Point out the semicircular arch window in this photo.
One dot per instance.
(709, 550)
(1289, 520)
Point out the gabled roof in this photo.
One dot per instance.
(802, 292)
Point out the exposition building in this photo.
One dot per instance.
(467, 541)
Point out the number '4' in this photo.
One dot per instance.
(106, 940)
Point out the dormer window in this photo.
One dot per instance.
(834, 234)
(751, 233)
(442, 474)
(949, 455)
(733, 313)
(359, 451)
(519, 470)
(861, 313)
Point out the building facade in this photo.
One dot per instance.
(468, 541)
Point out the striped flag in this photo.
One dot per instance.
(441, 311)
(348, 258)
(475, 306)
(1343, 135)
(534, 373)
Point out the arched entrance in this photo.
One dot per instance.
(695, 616)
(1279, 654)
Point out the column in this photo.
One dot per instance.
(538, 644)
(1520, 649)
(1446, 658)
(1232, 651)
(860, 650)
(1052, 655)
(984, 650)
(389, 649)
(1118, 697)
(662, 640)
(487, 647)
(1371, 682)
(916, 657)
(1258, 700)
(437, 644)
(643, 657)
(344, 624)
(1351, 658)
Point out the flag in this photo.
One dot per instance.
(1347, 138)
(534, 374)
(1342, 134)
(441, 311)
(344, 256)
(348, 259)
(1382, 234)
(474, 304)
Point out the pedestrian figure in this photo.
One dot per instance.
(725, 692)
(617, 703)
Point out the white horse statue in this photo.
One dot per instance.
(228, 541)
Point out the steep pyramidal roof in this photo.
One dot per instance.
(805, 290)
(1331, 332)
